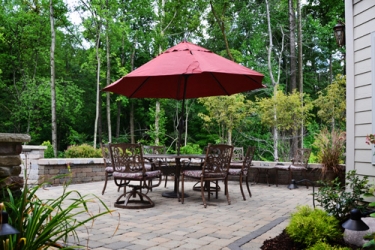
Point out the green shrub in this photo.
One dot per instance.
(308, 226)
(48, 153)
(82, 151)
(191, 149)
(338, 200)
(325, 246)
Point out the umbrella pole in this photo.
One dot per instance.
(181, 121)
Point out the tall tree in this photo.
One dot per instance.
(292, 46)
(53, 89)
(108, 53)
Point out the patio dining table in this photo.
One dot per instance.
(177, 166)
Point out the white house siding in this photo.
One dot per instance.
(359, 22)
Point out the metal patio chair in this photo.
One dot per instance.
(215, 168)
(244, 172)
(130, 171)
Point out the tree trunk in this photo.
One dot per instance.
(118, 120)
(97, 82)
(108, 101)
(229, 137)
(53, 90)
(131, 118)
(275, 83)
(293, 64)
(221, 24)
(300, 61)
(157, 118)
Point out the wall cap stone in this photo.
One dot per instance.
(71, 161)
(27, 148)
(8, 137)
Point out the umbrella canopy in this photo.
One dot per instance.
(187, 71)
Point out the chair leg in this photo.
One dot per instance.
(247, 185)
(243, 195)
(217, 189)
(182, 189)
(165, 183)
(202, 193)
(105, 182)
(226, 187)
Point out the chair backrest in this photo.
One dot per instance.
(153, 149)
(248, 158)
(106, 155)
(237, 154)
(301, 157)
(218, 158)
(127, 157)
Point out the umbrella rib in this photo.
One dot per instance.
(251, 78)
(218, 82)
(140, 86)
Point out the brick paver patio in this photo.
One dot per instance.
(172, 225)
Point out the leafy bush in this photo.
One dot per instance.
(48, 153)
(191, 149)
(308, 226)
(82, 151)
(325, 246)
(47, 223)
(331, 147)
(338, 200)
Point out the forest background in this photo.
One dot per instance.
(52, 71)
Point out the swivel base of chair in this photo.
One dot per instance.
(143, 200)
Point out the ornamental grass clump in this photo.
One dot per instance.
(331, 148)
(48, 223)
(309, 226)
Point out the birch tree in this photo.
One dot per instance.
(275, 81)
(53, 89)
(95, 8)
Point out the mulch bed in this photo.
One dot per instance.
(284, 242)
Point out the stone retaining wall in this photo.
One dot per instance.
(75, 170)
(82, 170)
(89, 170)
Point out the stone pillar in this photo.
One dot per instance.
(10, 161)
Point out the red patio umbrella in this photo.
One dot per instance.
(187, 71)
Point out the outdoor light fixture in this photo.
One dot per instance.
(293, 185)
(355, 222)
(339, 30)
(5, 228)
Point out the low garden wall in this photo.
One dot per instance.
(83, 170)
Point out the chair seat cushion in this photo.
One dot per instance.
(137, 175)
(236, 171)
(128, 175)
(198, 174)
(153, 174)
(109, 169)
(282, 167)
(148, 166)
